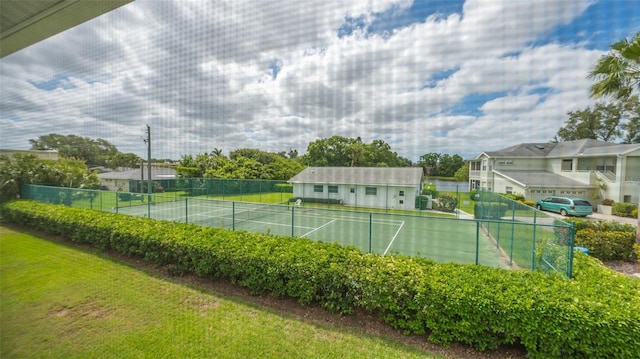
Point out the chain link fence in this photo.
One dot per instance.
(504, 233)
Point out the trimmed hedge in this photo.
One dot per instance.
(606, 240)
(607, 245)
(316, 200)
(600, 226)
(624, 209)
(595, 315)
(490, 210)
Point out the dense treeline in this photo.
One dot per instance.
(338, 151)
(92, 152)
(29, 169)
(245, 163)
(249, 163)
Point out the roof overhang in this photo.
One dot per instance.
(23, 23)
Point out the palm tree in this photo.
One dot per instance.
(617, 74)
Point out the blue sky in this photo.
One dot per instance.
(457, 77)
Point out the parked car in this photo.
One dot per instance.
(566, 206)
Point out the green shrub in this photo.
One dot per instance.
(634, 213)
(472, 194)
(284, 187)
(512, 196)
(490, 210)
(447, 203)
(622, 209)
(607, 202)
(636, 250)
(316, 200)
(609, 245)
(600, 226)
(594, 315)
(430, 192)
(529, 203)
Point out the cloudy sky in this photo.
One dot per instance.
(448, 76)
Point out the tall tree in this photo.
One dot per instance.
(244, 163)
(123, 160)
(617, 74)
(92, 152)
(615, 121)
(29, 169)
(462, 174)
(449, 164)
(429, 163)
(438, 164)
(329, 152)
(338, 151)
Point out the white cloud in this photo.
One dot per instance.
(199, 73)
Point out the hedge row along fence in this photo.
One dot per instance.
(606, 240)
(594, 315)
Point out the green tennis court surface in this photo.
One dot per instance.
(441, 239)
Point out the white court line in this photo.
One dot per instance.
(277, 224)
(393, 239)
(349, 219)
(319, 228)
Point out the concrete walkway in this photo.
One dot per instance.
(608, 217)
(594, 217)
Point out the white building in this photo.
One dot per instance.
(373, 187)
(587, 168)
(128, 180)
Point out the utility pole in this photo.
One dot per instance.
(148, 142)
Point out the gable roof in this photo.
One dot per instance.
(541, 179)
(397, 176)
(584, 147)
(523, 150)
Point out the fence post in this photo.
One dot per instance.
(293, 209)
(533, 255)
(457, 203)
(571, 242)
(186, 210)
(513, 221)
(370, 229)
(534, 232)
(477, 241)
(233, 215)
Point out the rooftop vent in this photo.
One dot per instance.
(540, 147)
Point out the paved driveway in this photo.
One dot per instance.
(602, 217)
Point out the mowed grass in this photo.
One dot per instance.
(59, 302)
(105, 200)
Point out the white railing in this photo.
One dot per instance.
(608, 175)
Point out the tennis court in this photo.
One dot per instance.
(441, 239)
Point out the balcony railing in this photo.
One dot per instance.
(608, 175)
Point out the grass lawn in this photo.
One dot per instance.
(60, 302)
(106, 200)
